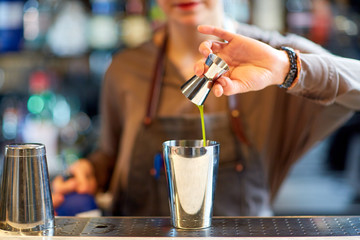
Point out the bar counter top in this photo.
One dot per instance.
(295, 227)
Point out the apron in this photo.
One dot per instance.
(241, 188)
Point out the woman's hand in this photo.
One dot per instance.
(82, 181)
(253, 65)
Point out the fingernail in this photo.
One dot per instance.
(217, 93)
(222, 82)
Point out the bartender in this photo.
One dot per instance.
(283, 95)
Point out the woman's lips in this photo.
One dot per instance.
(187, 6)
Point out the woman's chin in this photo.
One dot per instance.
(192, 21)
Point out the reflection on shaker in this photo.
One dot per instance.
(25, 201)
(191, 172)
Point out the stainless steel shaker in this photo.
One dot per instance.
(25, 200)
(191, 171)
(197, 88)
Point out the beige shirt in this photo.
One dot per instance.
(281, 125)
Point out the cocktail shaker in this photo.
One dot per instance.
(191, 173)
(197, 88)
(25, 197)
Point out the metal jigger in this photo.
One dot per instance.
(197, 88)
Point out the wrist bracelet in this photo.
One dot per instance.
(294, 68)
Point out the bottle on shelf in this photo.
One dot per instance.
(11, 25)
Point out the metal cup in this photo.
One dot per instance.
(25, 201)
(191, 171)
(197, 88)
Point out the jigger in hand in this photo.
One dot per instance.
(197, 88)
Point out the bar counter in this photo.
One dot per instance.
(311, 227)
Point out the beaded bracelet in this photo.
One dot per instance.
(293, 74)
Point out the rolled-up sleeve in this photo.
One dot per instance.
(329, 79)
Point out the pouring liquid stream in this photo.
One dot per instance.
(201, 109)
(197, 88)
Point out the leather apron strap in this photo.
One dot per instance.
(156, 82)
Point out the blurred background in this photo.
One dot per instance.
(53, 54)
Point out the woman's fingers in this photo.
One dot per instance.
(199, 67)
(57, 199)
(210, 46)
(205, 48)
(225, 86)
(83, 171)
(210, 30)
(63, 187)
(218, 89)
